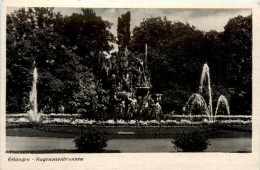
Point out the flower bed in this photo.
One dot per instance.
(203, 117)
(177, 120)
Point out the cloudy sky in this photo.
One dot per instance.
(202, 19)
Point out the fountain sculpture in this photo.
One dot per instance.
(33, 112)
(198, 99)
(131, 86)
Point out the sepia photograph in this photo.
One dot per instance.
(108, 80)
(84, 80)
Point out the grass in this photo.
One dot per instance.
(57, 151)
(61, 131)
(227, 134)
(32, 132)
(112, 132)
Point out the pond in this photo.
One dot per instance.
(15, 143)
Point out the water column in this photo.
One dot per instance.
(222, 99)
(197, 98)
(205, 73)
(33, 112)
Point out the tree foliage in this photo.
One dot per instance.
(123, 29)
(56, 45)
(177, 52)
(69, 54)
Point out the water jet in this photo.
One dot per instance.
(33, 112)
(198, 99)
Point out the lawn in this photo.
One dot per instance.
(112, 132)
(64, 131)
(57, 151)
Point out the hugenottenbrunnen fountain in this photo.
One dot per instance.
(130, 92)
(195, 99)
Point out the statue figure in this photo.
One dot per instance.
(130, 107)
(157, 109)
(125, 81)
(140, 70)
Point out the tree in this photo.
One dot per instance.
(175, 58)
(123, 29)
(61, 51)
(24, 27)
(89, 34)
(237, 38)
(87, 100)
(177, 52)
(70, 57)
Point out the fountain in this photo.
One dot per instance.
(33, 112)
(205, 74)
(200, 101)
(131, 87)
(222, 99)
(197, 98)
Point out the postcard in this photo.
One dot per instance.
(140, 85)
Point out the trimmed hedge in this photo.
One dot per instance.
(191, 142)
(92, 141)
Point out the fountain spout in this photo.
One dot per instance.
(33, 112)
(205, 74)
(222, 100)
(198, 99)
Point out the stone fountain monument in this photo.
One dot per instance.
(132, 86)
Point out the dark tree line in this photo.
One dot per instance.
(177, 52)
(67, 51)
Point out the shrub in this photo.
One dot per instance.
(191, 142)
(91, 141)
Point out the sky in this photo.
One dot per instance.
(202, 19)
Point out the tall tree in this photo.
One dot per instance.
(177, 52)
(40, 35)
(174, 58)
(31, 37)
(123, 29)
(237, 38)
(89, 34)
